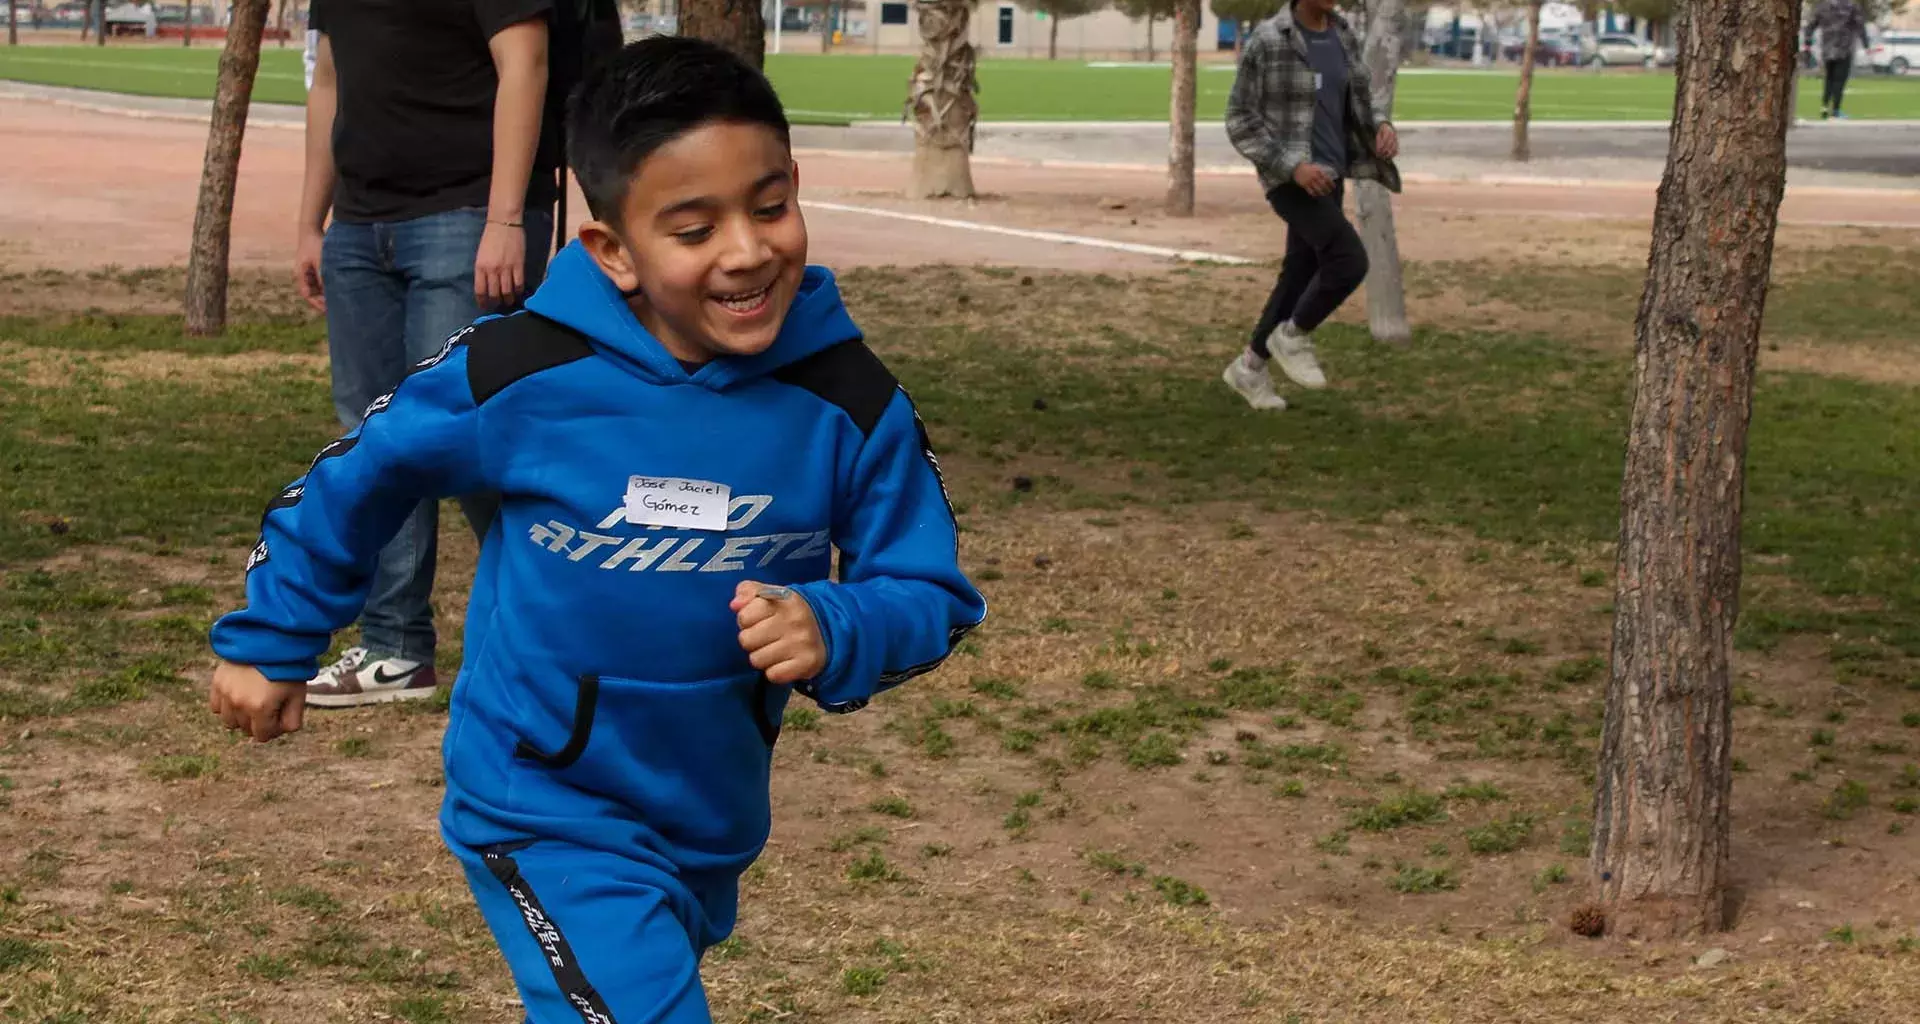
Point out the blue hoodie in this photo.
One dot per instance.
(605, 699)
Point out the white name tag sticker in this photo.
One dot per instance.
(1319, 81)
(678, 503)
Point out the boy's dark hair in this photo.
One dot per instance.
(649, 94)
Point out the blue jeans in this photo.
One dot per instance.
(395, 291)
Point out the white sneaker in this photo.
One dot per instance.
(1256, 386)
(355, 681)
(1294, 352)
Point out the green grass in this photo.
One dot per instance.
(853, 87)
(1414, 880)
(1503, 836)
(862, 981)
(1511, 437)
(179, 767)
(1833, 500)
(1412, 807)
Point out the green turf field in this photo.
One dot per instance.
(846, 87)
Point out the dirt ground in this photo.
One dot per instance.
(83, 189)
(1010, 878)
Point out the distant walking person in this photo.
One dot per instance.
(1302, 112)
(1839, 23)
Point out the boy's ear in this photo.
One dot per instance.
(613, 256)
(796, 175)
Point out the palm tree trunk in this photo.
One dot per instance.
(206, 305)
(1661, 824)
(734, 24)
(1386, 289)
(1523, 103)
(940, 98)
(1186, 32)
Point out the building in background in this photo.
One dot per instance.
(1000, 29)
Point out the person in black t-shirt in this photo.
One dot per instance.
(425, 141)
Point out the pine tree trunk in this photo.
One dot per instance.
(1660, 804)
(1523, 103)
(1053, 37)
(1150, 50)
(1386, 289)
(734, 24)
(213, 218)
(1186, 33)
(941, 100)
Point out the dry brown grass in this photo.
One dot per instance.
(304, 881)
(188, 900)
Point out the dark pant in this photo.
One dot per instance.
(1325, 262)
(395, 291)
(1837, 73)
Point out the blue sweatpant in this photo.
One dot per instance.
(589, 936)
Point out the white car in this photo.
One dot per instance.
(1896, 53)
(1617, 49)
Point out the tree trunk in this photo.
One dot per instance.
(734, 24)
(1150, 50)
(280, 24)
(1660, 830)
(941, 100)
(13, 23)
(213, 218)
(1386, 291)
(1523, 103)
(826, 29)
(1053, 37)
(1186, 33)
(100, 23)
(186, 35)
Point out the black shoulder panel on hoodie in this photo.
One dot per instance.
(848, 375)
(511, 348)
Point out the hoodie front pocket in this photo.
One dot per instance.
(689, 760)
(585, 705)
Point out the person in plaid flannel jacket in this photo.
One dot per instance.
(1840, 24)
(1302, 113)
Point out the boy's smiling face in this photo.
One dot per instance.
(711, 245)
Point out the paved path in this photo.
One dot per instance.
(1853, 154)
(83, 188)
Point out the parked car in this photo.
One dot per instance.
(1615, 49)
(1553, 53)
(1896, 53)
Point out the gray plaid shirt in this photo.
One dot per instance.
(1270, 112)
(1840, 24)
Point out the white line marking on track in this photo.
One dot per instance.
(1185, 255)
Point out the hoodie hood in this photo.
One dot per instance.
(578, 295)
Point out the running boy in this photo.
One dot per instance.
(684, 423)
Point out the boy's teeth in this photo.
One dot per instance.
(742, 302)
